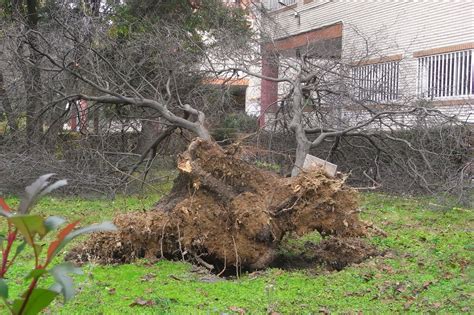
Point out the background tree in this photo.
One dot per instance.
(138, 64)
(142, 67)
(365, 122)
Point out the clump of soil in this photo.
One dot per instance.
(335, 253)
(223, 212)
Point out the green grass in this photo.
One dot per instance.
(426, 269)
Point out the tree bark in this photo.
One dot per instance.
(32, 78)
(198, 126)
(10, 113)
(302, 143)
(302, 149)
(150, 131)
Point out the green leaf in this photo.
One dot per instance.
(56, 185)
(3, 289)
(38, 249)
(20, 248)
(29, 226)
(53, 222)
(32, 193)
(36, 273)
(60, 273)
(39, 299)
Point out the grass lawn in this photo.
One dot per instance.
(427, 269)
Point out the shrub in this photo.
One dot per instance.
(29, 230)
(233, 124)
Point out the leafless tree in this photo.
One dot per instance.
(145, 74)
(327, 101)
(155, 76)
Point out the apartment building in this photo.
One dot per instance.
(413, 49)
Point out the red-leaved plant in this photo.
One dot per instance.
(24, 229)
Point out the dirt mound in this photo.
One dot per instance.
(225, 212)
(337, 253)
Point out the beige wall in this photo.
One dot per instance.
(399, 26)
(389, 28)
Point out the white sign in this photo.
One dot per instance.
(311, 161)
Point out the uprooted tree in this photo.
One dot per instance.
(222, 211)
(127, 59)
(140, 50)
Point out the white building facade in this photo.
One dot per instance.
(422, 49)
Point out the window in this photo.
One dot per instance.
(278, 4)
(376, 82)
(446, 75)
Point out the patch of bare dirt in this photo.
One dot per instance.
(225, 213)
(337, 253)
(333, 253)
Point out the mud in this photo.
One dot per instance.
(225, 213)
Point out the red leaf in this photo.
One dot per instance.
(4, 205)
(61, 235)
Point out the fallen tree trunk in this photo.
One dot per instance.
(223, 211)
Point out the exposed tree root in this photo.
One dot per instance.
(224, 212)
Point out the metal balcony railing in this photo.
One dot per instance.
(448, 75)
